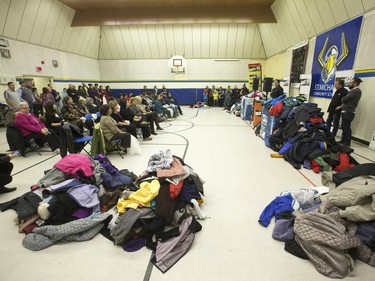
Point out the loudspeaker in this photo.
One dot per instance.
(255, 84)
(267, 84)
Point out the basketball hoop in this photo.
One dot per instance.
(177, 64)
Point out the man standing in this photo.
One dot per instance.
(333, 113)
(13, 100)
(277, 90)
(26, 94)
(349, 104)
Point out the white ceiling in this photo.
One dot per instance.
(298, 20)
(47, 23)
(190, 40)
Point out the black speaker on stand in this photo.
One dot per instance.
(267, 85)
(255, 84)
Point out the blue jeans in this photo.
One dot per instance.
(346, 119)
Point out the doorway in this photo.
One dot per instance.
(39, 82)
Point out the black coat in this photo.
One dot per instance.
(336, 99)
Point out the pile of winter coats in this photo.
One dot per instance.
(303, 139)
(81, 197)
(331, 230)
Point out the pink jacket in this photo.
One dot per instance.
(28, 123)
(76, 164)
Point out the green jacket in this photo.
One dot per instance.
(98, 142)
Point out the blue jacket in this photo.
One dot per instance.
(278, 205)
(159, 108)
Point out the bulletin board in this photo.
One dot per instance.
(255, 71)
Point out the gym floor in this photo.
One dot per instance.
(241, 179)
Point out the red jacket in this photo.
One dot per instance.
(28, 123)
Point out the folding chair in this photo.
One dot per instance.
(85, 140)
(113, 145)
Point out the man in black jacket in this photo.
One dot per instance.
(349, 104)
(277, 90)
(333, 113)
(5, 170)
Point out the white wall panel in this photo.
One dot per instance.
(151, 35)
(127, 41)
(178, 36)
(188, 40)
(119, 41)
(257, 45)
(314, 16)
(297, 20)
(354, 7)
(109, 37)
(223, 40)
(40, 21)
(4, 6)
(338, 11)
(134, 36)
(206, 40)
(305, 16)
(240, 40)
(326, 14)
(231, 40)
(73, 39)
(64, 40)
(28, 20)
(368, 4)
(197, 41)
(169, 40)
(161, 41)
(145, 41)
(214, 42)
(14, 18)
(51, 24)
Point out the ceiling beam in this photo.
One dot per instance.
(233, 14)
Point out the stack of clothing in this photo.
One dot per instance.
(334, 231)
(303, 139)
(81, 197)
(162, 212)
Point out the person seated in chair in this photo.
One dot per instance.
(54, 122)
(72, 114)
(137, 109)
(91, 106)
(6, 168)
(160, 109)
(110, 130)
(126, 124)
(32, 127)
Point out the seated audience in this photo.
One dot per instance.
(174, 101)
(72, 114)
(81, 92)
(129, 124)
(54, 122)
(110, 130)
(6, 168)
(32, 128)
(160, 109)
(91, 106)
(138, 110)
(82, 106)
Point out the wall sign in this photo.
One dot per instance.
(255, 71)
(334, 50)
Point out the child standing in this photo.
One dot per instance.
(215, 96)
